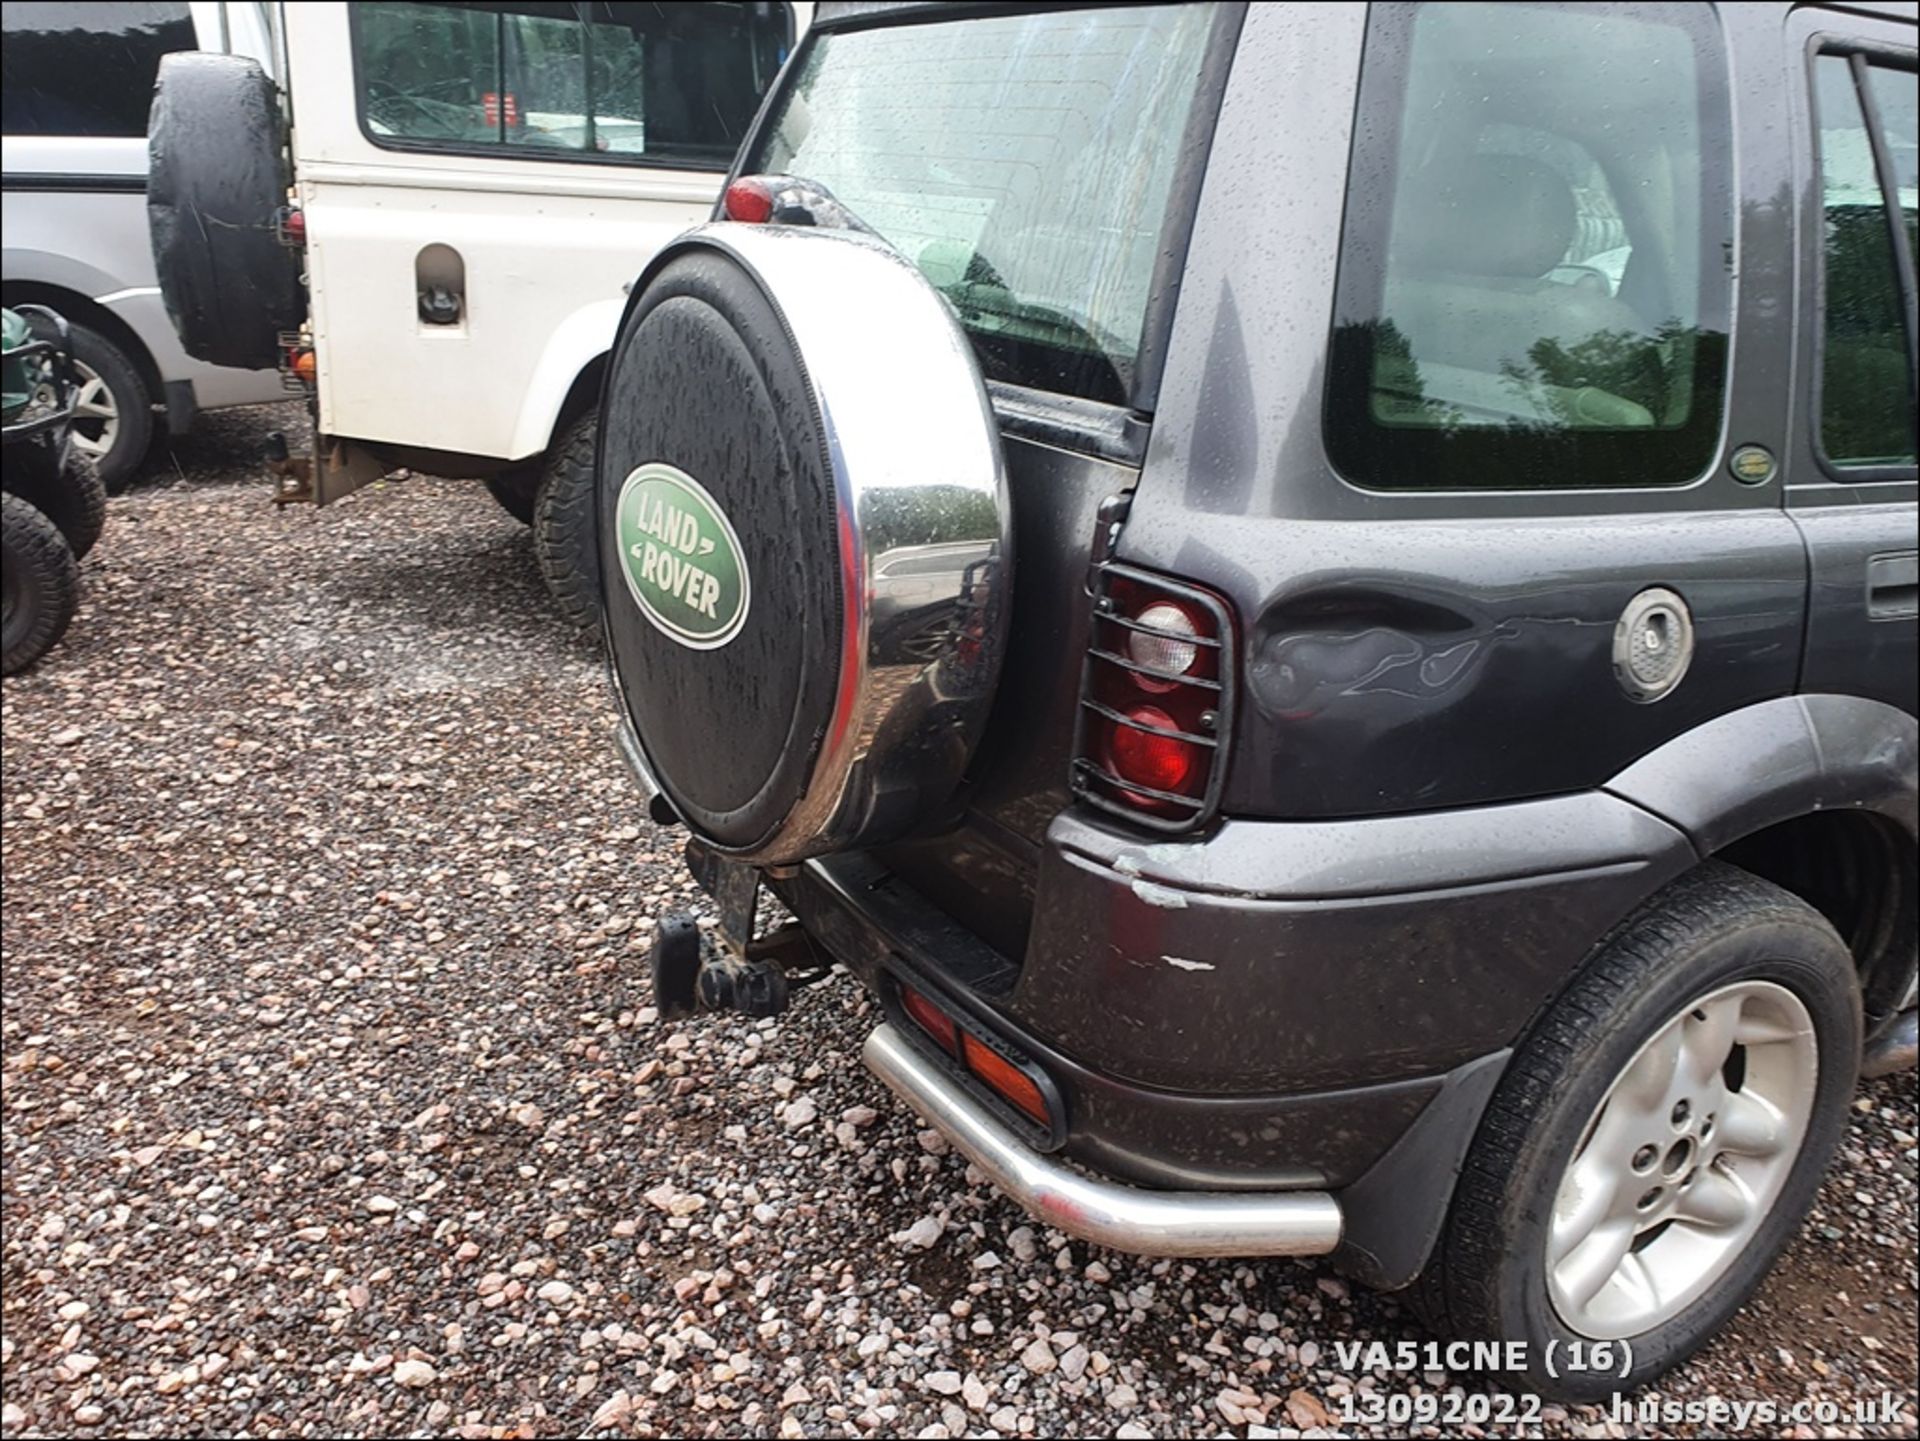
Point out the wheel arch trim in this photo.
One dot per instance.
(1776, 761)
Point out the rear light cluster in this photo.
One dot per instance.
(1007, 1079)
(299, 366)
(1156, 702)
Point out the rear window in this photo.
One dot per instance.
(1535, 278)
(1022, 162)
(68, 69)
(658, 84)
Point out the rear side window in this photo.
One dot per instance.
(1866, 385)
(658, 84)
(71, 69)
(1534, 284)
(1022, 162)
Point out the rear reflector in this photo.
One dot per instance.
(1007, 1080)
(930, 1018)
(748, 200)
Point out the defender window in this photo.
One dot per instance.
(1022, 162)
(1535, 276)
(654, 84)
(1866, 353)
(85, 69)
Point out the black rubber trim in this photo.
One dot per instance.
(74, 182)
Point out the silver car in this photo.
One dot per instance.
(77, 82)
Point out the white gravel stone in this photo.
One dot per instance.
(921, 1234)
(1038, 1358)
(414, 1373)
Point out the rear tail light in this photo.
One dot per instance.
(749, 200)
(1007, 1079)
(1156, 699)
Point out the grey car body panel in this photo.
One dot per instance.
(1439, 799)
(1293, 962)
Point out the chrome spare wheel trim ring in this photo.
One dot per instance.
(1678, 1167)
(1127, 1218)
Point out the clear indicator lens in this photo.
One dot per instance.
(1163, 652)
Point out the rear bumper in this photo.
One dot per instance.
(1285, 1033)
(1150, 1223)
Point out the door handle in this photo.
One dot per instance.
(1893, 586)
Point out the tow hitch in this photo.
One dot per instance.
(735, 970)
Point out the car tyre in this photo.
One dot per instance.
(1715, 935)
(68, 493)
(41, 584)
(112, 426)
(565, 539)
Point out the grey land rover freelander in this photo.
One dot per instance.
(1321, 601)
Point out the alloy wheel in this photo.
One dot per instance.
(1682, 1161)
(96, 415)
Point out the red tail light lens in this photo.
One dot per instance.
(1159, 762)
(749, 201)
(931, 1019)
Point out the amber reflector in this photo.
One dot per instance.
(934, 1021)
(1011, 1083)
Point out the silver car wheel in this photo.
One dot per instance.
(96, 415)
(1682, 1161)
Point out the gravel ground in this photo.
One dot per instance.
(333, 1105)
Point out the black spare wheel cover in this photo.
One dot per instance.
(745, 560)
(217, 179)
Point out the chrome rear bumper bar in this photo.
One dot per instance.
(1149, 1223)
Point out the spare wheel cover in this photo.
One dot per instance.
(805, 538)
(216, 182)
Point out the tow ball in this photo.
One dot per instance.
(734, 970)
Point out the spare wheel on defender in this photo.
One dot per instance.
(217, 182)
(805, 538)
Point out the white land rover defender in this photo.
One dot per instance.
(430, 229)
